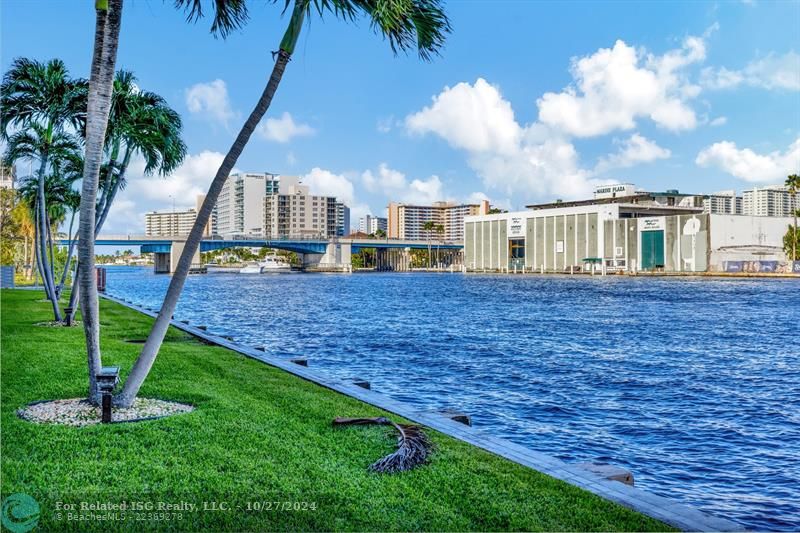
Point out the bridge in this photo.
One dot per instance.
(315, 253)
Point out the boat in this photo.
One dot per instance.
(216, 268)
(251, 269)
(274, 264)
(271, 264)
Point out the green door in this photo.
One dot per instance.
(652, 249)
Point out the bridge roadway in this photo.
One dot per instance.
(334, 253)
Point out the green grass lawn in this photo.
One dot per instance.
(257, 434)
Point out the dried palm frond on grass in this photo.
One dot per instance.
(413, 445)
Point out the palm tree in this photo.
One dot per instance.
(793, 186)
(108, 17)
(140, 122)
(40, 103)
(406, 24)
(429, 226)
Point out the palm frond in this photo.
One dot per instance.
(229, 15)
(413, 445)
(406, 24)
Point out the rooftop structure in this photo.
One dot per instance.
(634, 203)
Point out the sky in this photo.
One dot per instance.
(529, 101)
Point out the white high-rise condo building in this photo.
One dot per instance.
(723, 202)
(769, 201)
(370, 224)
(406, 221)
(240, 206)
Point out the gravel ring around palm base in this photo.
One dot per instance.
(79, 412)
(56, 324)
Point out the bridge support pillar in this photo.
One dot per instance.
(337, 258)
(167, 262)
(161, 262)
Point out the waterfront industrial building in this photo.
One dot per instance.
(407, 221)
(626, 230)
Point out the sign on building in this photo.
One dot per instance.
(651, 224)
(516, 227)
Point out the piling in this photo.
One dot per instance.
(610, 472)
(363, 383)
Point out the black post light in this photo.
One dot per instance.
(107, 379)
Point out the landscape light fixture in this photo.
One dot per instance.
(107, 379)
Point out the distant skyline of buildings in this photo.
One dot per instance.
(273, 205)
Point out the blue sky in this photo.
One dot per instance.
(529, 101)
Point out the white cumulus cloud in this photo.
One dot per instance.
(473, 117)
(615, 86)
(633, 151)
(750, 166)
(156, 193)
(529, 160)
(394, 186)
(210, 100)
(771, 72)
(283, 129)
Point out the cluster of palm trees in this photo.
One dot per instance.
(430, 227)
(419, 25)
(44, 124)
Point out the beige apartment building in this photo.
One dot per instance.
(169, 223)
(293, 212)
(406, 221)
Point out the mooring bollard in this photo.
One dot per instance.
(363, 383)
(302, 361)
(610, 472)
(456, 416)
(107, 379)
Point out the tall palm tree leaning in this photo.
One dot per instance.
(793, 185)
(41, 103)
(406, 24)
(108, 17)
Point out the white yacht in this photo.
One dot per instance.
(270, 264)
(273, 263)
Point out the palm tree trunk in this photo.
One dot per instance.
(46, 267)
(151, 347)
(112, 193)
(69, 252)
(101, 82)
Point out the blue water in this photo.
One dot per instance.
(692, 384)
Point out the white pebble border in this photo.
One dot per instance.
(79, 412)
